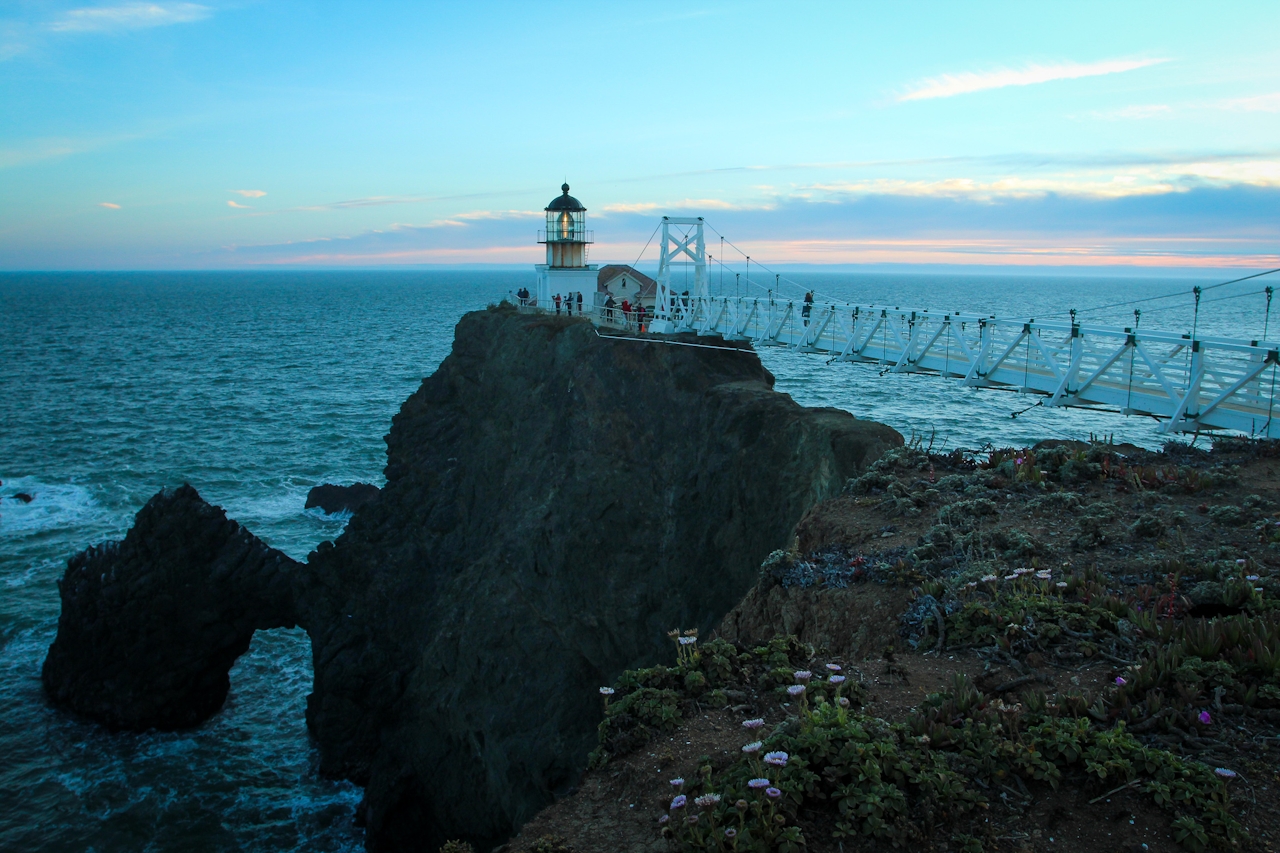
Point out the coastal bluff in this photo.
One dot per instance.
(555, 502)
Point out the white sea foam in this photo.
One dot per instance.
(54, 506)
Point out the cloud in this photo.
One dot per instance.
(250, 193)
(109, 205)
(1269, 103)
(950, 85)
(1133, 180)
(128, 16)
(237, 205)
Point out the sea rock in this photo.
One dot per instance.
(333, 499)
(556, 501)
(23, 497)
(151, 625)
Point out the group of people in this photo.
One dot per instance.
(525, 299)
(567, 301)
(633, 316)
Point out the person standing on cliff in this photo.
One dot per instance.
(579, 302)
(808, 307)
(557, 300)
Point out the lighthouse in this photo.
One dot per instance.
(566, 237)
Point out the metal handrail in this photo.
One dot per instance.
(566, 235)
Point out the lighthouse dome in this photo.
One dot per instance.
(565, 201)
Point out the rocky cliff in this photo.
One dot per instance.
(151, 626)
(556, 501)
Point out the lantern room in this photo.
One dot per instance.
(566, 236)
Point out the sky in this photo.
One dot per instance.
(241, 135)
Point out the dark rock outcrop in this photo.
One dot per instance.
(332, 499)
(556, 501)
(151, 625)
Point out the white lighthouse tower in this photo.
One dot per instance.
(566, 236)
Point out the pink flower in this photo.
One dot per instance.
(752, 724)
(778, 759)
(1120, 682)
(1225, 773)
(796, 689)
(758, 783)
(1205, 718)
(773, 793)
(837, 679)
(730, 832)
(834, 667)
(679, 801)
(677, 782)
(803, 675)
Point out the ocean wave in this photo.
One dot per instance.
(54, 506)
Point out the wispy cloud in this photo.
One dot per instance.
(1269, 103)
(963, 83)
(1097, 183)
(109, 205)
(250, 193)
(237, 205)
(128, 16)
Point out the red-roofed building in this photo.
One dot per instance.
(623, 281)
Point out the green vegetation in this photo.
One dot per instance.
(903, 782)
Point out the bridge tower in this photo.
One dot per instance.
(675, 303)
(566, 237)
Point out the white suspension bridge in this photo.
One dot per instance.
(1189, 383)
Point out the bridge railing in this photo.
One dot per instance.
(1206, 383)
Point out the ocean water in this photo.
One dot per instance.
(254, 387)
